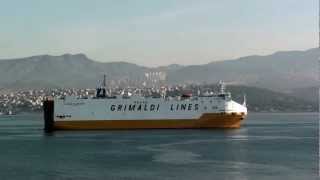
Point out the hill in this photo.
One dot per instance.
(61, 71)
(264, 100)
(279, 71)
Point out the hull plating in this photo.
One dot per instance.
(209, 120)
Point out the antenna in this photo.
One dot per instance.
(244, 100)
(104, 84)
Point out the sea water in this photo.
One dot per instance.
(267, 146)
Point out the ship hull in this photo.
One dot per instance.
(208, 120)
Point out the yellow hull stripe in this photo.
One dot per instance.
(205, 121)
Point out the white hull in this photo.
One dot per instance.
(140, 108)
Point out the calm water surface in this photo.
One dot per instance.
(268, 146)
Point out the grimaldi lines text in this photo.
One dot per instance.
(154, 107)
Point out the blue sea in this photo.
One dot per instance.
(267, 146)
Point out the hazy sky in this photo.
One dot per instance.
(156, 32)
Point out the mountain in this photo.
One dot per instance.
(310, 94)
(264, 100)
(62, 71)
(281, 71)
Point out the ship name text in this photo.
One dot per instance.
(152, 107)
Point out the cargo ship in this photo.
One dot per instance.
(103, 112)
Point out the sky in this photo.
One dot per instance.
(157, 32)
